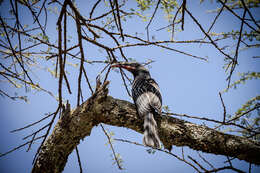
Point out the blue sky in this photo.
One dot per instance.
(189, 86)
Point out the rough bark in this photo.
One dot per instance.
(101, 108)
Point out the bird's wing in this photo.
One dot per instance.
(146, 95)
(156, 102)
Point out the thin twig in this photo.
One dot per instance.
(27, 4)
(205, 160)
(229, 161)
(150, 21)
(19, 35)
(119, 20)
(42, 7)
(215, 19)
(158, 44)
(112, 148)
(86, 77)
(93, 9)
(201, 28)
(103, 15)
(234, 62)
(173, 22)
(183, 14)
(107, 73)
(114, 15)
(29, 147)
(250, 14)
(96, 43)
(122, 75)
(37, 131)
(60, 62)
(45, 136)
(10, 44)
(65, 52)
(225, 168)
(197, 163)
(82, 56)
(208, 119)
(16, 148)
(249, 167)
(165, 151)
(79, 162)
(32, 124)
(229, 9)
(29, 83)
(110, 35)
(229, 122)
(224, 107)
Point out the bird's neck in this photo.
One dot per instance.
(142, 75)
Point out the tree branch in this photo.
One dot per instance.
(101, 108)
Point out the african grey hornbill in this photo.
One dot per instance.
(147, 98)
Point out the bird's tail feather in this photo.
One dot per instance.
(151, 137)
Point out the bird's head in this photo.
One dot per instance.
(135, 68)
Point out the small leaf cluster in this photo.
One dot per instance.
(144, 4)
(243, 78)
(251, 36)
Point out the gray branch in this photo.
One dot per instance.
(101, 108)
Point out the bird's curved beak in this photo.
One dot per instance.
(125, 66)
(116, 65)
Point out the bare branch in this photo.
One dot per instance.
(22, 145)
(165, 151)
(213, 43)
(32, 124)
(60, 62)
(119, 20)
(79, 162)
(205, 160)
(112, 148)
(197, 163)
(173, 21)
(93, 8)
(224, 108)
(183, 14)
(229, 9)
(215, 19)
(82, 57)
(35, 159)
(234, 62)
(154, 12)
(10, 44)
(250, 14)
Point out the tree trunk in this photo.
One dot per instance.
(101, 108)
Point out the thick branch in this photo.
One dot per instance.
(100, 108)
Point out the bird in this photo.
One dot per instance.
(147, 98)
